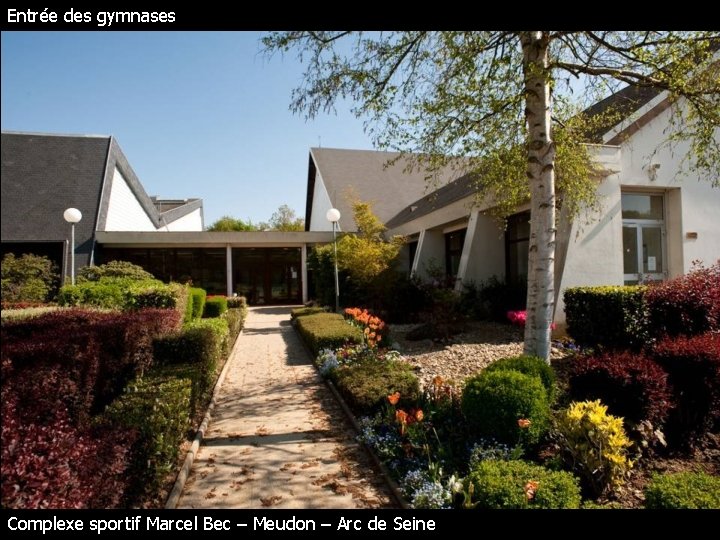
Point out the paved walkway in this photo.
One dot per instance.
(277, 437)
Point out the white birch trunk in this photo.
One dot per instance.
(541, 175)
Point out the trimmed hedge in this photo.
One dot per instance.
(693, 367)
(303, 311)
(687, 305)
(327, 331)
(123, 293)
(237, 302)
(516, 484)
(197, 304)
(631, 385)
(235, 318)
(113, 269)
(202, 343)
(529, 365)
(215, 306)
(86, 357)
(607, 317)
(493, 402)
(158, 409)
(365, 385)
(683, 490)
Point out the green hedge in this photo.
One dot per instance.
(327, 331)
(158, 409)
(124, 293)
(197, 303)
(303, 311)
(613, 317)
(500, 484)
(365, 385)
(683, 490)
(235, 318)
(215, 306)
(235, 302)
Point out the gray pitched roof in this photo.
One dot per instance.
(42, 175)
(625, 101)
(362, 174)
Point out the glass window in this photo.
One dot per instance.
(517, 242)
(454, 242)
(640, 206)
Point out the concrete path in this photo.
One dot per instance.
(277, 437)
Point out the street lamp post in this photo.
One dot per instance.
(333, 216)
(72, 216)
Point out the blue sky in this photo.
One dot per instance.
(198, 114)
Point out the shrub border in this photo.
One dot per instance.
(392, 485)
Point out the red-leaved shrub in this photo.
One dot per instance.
(631, 385)
(693, 367)
(78, 359)
(687, 305)
(55, 464)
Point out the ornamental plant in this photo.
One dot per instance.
(594, 445)
(375, 331)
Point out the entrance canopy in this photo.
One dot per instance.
(267, 267)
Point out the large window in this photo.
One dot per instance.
(643, 233)
(454, 242)
(517, 241)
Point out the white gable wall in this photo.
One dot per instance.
(124, 210)
(189, 222)
(321, 204)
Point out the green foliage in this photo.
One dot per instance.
(159, 409)
(123, 293)
(229, 224)
(497, 484)
(197, 303)
(610, 317)
(362, 258)
(113, 269)
(215, 306)
(236, 302)
(284, 219)
(529, 365)
(303, 311)
(694, 490)
(327, 331)
(29, 278)
(366, 384)
(235, 318)
(495, 402)
(594, 445)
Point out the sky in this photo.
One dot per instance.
(197, 114)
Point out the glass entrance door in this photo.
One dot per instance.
(643, 237)
(643, 253)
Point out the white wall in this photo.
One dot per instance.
(430, 252)
(124, 210)
(189, 222)
(321, 204)
(487, 251)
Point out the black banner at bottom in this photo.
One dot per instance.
(338, 523)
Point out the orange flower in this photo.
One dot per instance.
(524, 423)
(401, 416)
(419, 415)
(530, 489)
(394, 398)
(437, 380)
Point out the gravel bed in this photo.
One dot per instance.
(468, 353)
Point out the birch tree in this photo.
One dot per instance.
(508, 107)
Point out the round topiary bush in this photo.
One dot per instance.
(496, 484)
(683, 490)
(529, 365)
(507, 405)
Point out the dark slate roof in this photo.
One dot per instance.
(625, 101)
(363, 174)
(42, 176)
